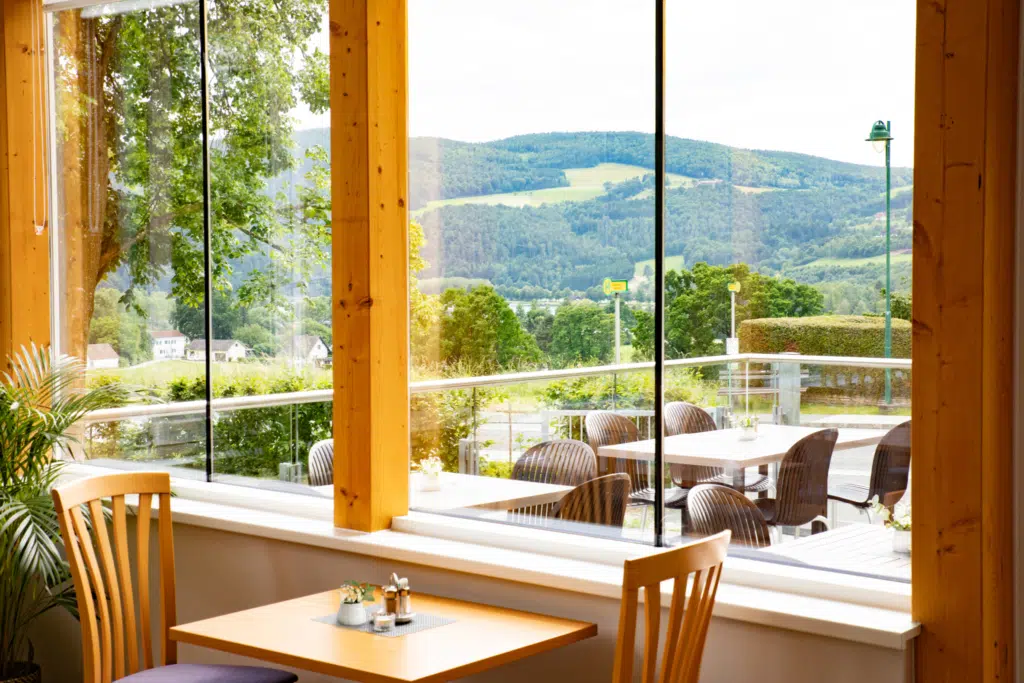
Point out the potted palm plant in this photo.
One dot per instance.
(40, 400)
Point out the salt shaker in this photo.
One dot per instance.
(391, 600)
(404, 602)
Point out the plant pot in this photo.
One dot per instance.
(748, 433)
(352, 614)
(430, 482)
(21, 672)
(901, 542)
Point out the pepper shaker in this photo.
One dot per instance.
(391, 600)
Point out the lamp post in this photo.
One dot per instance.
(881, 138)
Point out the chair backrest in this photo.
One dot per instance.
(321, 463)
(890, 469)
(102, 573)
(609, 429)
(802, 491)
(598, 501)
(687, 619)
(714, 508)
(566, 462)
(685, 418)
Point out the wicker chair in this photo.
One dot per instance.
(598, 501)
(890, 473)
(610, 429)
(802, 491)
(715, 508)
(321, 463)
(685, 418)
(566, 462)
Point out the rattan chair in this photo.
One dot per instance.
(100, 563)
(598, 501)
(609, 429)
(688, 616)
(890, 473)
(321, 463)
(685, 418)
(715, 508)
(802, 492)
(565, 462)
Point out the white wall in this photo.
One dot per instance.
(220, 572)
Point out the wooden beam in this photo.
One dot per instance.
(24, 254)
(964, 196)
(370, 261)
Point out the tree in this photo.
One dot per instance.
(643, 336)
(191, 322)
(582, 333)
(538, 321)
(125, 330)
(257, 338)
(130, 150)
(480, 330)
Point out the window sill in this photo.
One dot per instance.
(436, 541)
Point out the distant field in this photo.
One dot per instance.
(584, 184)
(897, 257)
(160, 373)
(671, 263)
(755, 190)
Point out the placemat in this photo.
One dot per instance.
(422, 622)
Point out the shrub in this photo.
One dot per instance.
(835, 335)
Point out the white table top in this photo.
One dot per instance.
(723, 447)
(865, 548)
(469, 491)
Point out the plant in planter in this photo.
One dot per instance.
(899, 520)
(747, 424)
(40, 401)
(430, 469)
(351, 611)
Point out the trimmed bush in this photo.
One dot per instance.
(835, 335)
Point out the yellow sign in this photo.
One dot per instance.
(611, 286)
(734, 286)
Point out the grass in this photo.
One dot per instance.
(161, 373)
(897, 257)
(584, 184)
(671, 263)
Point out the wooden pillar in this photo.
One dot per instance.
(370, 261)
(964, 223)
(24, 254)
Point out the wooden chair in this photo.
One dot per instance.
(685, 418)
(598, 501)
(802, 490)
(609, 429)
(715, 508)
(101, 570)
(321, 463)
(687, 619)
(890, 473)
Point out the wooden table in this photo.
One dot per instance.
(488, 493)
(863, 548)
(723, 447)
(481, 638)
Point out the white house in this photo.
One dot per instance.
(224, 350)
(168, 344)
(101, 357)
(307, 348)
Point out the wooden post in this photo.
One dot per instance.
(24, 254)
(370, 261)
(964, 213)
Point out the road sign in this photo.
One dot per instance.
(734, 286)
(611, 286)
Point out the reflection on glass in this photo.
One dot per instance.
(128, 178)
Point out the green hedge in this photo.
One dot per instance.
(835, 335)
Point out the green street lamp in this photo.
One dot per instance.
(881, 138)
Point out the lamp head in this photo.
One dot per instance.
(879, 136)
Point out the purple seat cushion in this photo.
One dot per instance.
(210, 673)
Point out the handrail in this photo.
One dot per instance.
(232, 403)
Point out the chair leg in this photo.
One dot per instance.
(643, 519)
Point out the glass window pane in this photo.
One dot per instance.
(128, 179)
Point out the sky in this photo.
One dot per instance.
(806, 76)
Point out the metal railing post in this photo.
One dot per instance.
(789, 391)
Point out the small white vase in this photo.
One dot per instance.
(351, 614)
(748, 433)
(901, 542)
(430, 482)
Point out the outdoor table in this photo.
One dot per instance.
(724, 448)
(287, 633)
(864, 548)
(488, 493)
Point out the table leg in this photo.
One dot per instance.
(739, 478)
